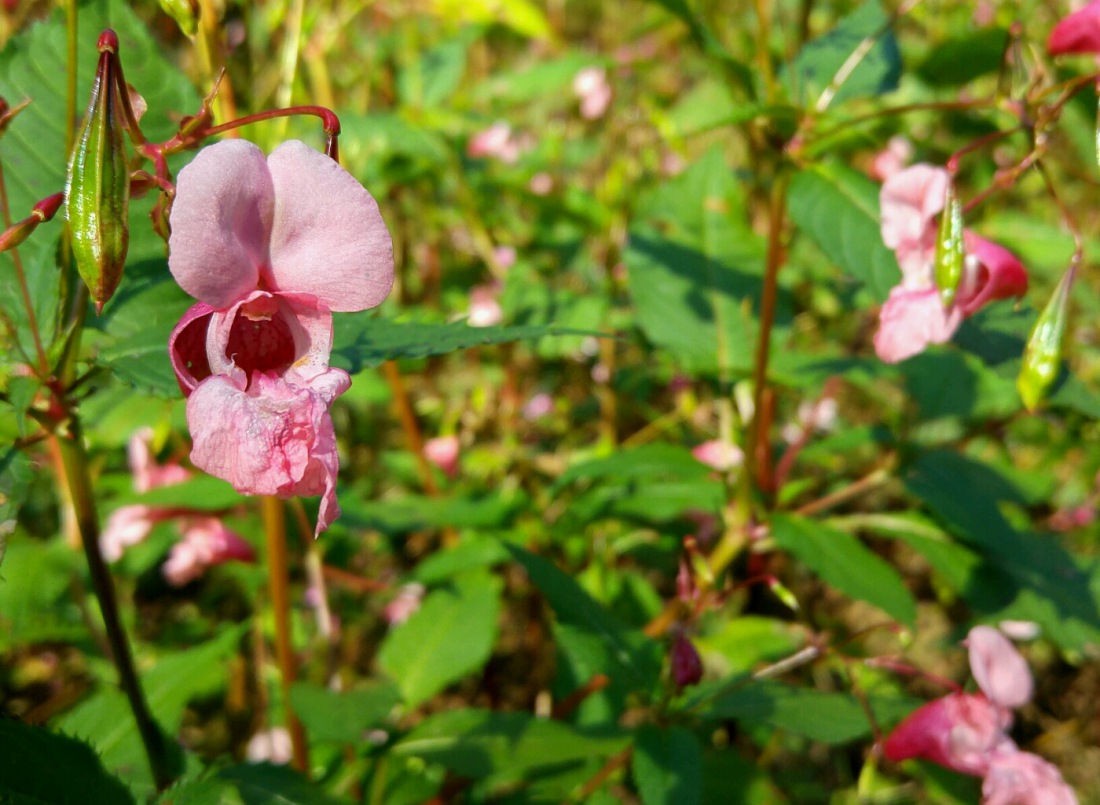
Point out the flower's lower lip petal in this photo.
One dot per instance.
(221, 222)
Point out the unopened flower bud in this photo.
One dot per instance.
(1043, 354)
(783, 594)
(687, 666)
(98, 190)
(43, 211)
(950, 250)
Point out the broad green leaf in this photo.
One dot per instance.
(845, 563)
(105, 720)
(731, 777)
(345, 716)
(267, 784)
(877, 72)
(362, 340)
(838, 208)
(1033, 576)
(647, 461)
(832, 718)
(694, 269)
(467, 555)
(743, 643)
(39, 767)
(35, 598)
(952, 383)
(629, 657)
(201, 493)
(450, 636)
(210, 791)
(481, 743)
(961, 59)
(545, 79)
(668, 766)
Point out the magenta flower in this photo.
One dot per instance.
(914, 316)
(270, 248)
(1077, 33)
(968, 732)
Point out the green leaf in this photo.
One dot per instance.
(467, 555)
(694, 269)
(877, 72)
(433, 78)
(668, 766)
(267, 784)
(362, 340)
(522, 16)
(39, 767)
(105, 720)
(345, 716)
(199, 792)
(832, 718)
(628, 656)
(545, 79)
(413, 512)
(961, 59)
(15, 479)
(35, 598)
(838, 208)
(480, 743)
(450, 636)
(845, 563)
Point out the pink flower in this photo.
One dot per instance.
(590, 85)
(913, 316)
(442, 451)
(540, 405)
(958, 731)
(720, 455)
(998, 668)
(404, 605)
(206, 542)
(505, 256)
(541, 183)
(485, 309)
(495, 142)
(1021, 778)
(1077, 33)
(270, 746)
(892, 159)
(270, 248)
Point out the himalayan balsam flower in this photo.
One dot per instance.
(443, 452)
(591, 87)
(1077, 33)
(270, 247)
(495, 142)
(968, 732)
(914, 315)
(719, 455)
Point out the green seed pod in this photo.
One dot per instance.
(98, 189)
(950, 252)
(1043, 354)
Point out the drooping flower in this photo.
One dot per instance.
(958, 731)
(204, 540)
(1078, 32)
(270, 247)
(913, 315)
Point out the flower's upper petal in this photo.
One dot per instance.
(911, 320)
(960, 731)
(1000, 671)
(274, 438)
(909, 202)
(1077, 33)
(327, 238)
(221, 222)
(992, 272)
(187, 347)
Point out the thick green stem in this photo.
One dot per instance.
(74, 459)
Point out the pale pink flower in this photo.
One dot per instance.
(495, 142)
(590, 85)
(1077, 33)
(959, 731)
(540, 405)
(913, 315)
(404, 605)
(1020, 630)
(148, 474)
(1021, 778)
(270, 248)
(206, 542)
(998, 668)
(505, 256)
(270, 746)
(541, 183)
(892, 159)
(443, 452)
(485, 309)
(720, 455)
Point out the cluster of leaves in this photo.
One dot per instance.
(537, 667)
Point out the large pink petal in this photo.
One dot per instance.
(273, 439)
(909, 202)
(327, 238)
(910, 320)
(992, 272)
(1077, 33)
(1000, 671)
(221, 222)
(1021, 778)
